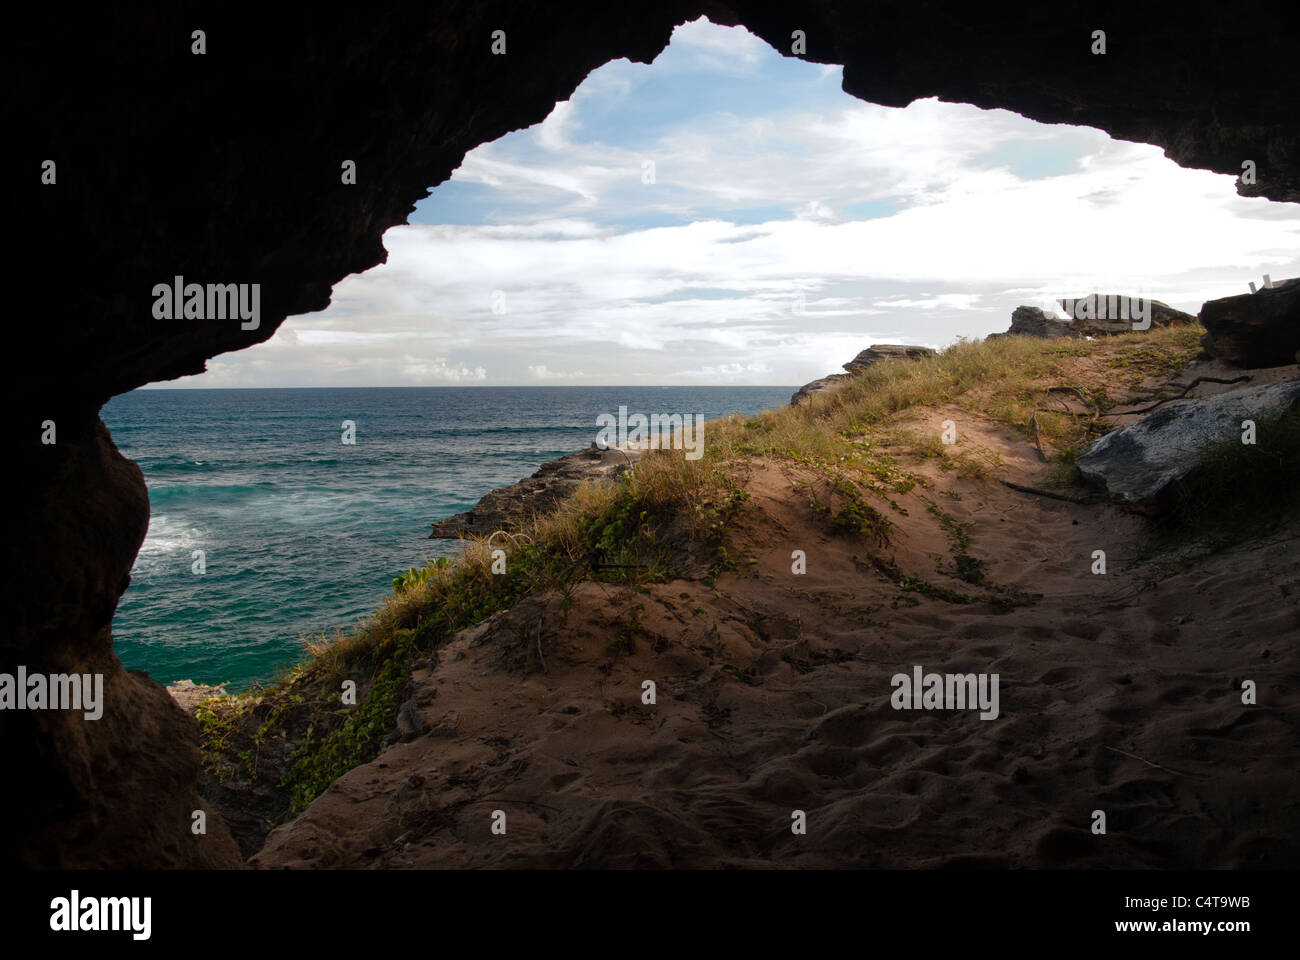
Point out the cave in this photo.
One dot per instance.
(139, 160)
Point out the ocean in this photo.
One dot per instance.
(302, 533)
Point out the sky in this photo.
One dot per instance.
(728, 215)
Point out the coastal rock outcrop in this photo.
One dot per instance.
(1260, 329)
(1034, 322)
(1093, 316)
(885, 352)
(809, 390)
(1137, 463)
(249, 191)
(1099, 314)
(509, 507)
(876, 353)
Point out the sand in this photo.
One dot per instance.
(1120, 693)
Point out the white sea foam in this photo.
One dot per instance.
(166, 537)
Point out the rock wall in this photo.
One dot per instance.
(225, 168)
(1260, 329)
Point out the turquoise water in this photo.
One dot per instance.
(302, 533)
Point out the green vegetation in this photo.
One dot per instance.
(418, 576)
(965, 567)
(1238, 490)
(323, 758)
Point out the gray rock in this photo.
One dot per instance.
(1100, 314)
(1259, 329)
(1092, 316)
(508, 508)
(189, 695)
(816, 387)
(410, 724)
(1136, 463)
(884, 352)
(1033, 322)
(876, 353)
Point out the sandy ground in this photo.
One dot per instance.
(1119, 693)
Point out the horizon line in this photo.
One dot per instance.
(476, 386)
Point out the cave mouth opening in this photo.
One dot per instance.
(726, 216)
(121, 791)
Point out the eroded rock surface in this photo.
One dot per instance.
(1034, 322)
(1106, 314)
(876, 353)
(1138, 462)
(1260, 329)
(509, 507)
(1095, 315)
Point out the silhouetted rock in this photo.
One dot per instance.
(1136, 463)
(1100, 314)
(1260, 329)
(1033, 322)
(1093, 316)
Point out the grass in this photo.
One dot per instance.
(1238, 490)
(669, 517)
(1004, 380)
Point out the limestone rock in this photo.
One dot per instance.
(509, 507)
(1093, 316)
(1260, 329)
(1137, 463)
(188, 694)
(876, 353)
(1033, 322)
(1100, 314)
(817, 386)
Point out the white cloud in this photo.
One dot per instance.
(719, 49)
(550, 132)
(539, 371)
(417, 368)
(954, 301)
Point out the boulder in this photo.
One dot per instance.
(1137, 463)
(816, 387)
(876, 353)
(509, 508)
(189, 695)
(885, 352)
(1033, 322)
(1108, 314)
(1259, 329)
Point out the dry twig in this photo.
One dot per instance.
(1158, 766)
